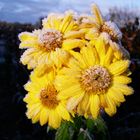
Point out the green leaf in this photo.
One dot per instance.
(90, 125)
(65, 131)
(81, 136)
(78, 122)
(97, 128)
(84, 135)
(101, 126)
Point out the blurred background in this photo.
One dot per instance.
(25, 15)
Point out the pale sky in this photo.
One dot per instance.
(31, 10)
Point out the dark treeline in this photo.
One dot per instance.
(13, 123)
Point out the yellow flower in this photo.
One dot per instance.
(42, 102)
(93, 81)
(96, 27)
(100, 27)
(47, 47)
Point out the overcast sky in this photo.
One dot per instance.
(31, 10)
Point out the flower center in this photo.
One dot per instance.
(112, 29)
(95, 79)
(48, 97)
(50, 39)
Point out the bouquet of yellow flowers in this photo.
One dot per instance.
(79, 69)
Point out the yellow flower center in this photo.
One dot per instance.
(50, 39)
(112, 29)
(48, 97)
(95, 79)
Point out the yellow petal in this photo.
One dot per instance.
(27, 36)
(101, 50)
(103, 100)
(44, 116)
(111, 107)
(69, 44)
(115, 94)
(30, 86)
(89, 56)
(54, 119)
(79, 58)
(122, 79)
(60, 82)
(66, 21)
(94, 105)
(84, 105)
(70, 91)
(108, 57)
(118, 54)
(61, 57)
(28, 44)
(74, 101)
(119, 67)
(33, 110)
(63, 112)
(74, 34)
(46, 23)
(117, 51)
(72, 26)
(35, 118)
(74, 65)
(53, 21)
(92, 34)
(29, 58)
(55, 58)
(97, 14)
(126, 90)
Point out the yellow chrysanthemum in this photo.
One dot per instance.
(42, 102)
(47, 47)
(96, 27)
(93, 81)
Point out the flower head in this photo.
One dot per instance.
(94, 80)
(42, 102)
(100, 26)
(96, 27)
(49, 46)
